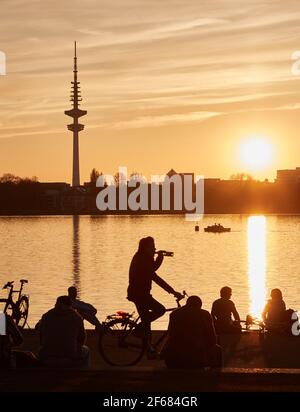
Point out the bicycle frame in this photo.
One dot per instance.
(19, 291)
(136, 320)
(165, 333)
(9, 300)
(124, 335)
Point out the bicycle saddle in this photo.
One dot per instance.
(8, 285)
(23, 281)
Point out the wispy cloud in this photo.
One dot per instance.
(145, 64)
(154, 121)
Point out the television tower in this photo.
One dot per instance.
(75, 127)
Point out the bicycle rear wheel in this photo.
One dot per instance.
(119, 345)
(22, 315)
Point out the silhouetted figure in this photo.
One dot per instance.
(62, 336)
(141, 274)
(224, 313)
(12, 339)
(192, 340)
(277, 319)
(274, 311)
(87, 311)
(9, 357)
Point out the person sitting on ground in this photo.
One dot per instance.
(275, 315)
(226, 317)
(11, 339)
(62, 336)
(11, 358)
(86, 310)
(192, 340)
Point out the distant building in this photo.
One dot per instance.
(187, 179)
(172, 172)
(288, 176)
(50, 197)
(74, 200)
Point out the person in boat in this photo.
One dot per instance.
(226, 317)
(86, 310)
(142, 272)
(192, 340)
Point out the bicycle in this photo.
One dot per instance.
(253, 323)
(122, 342)
(18, 309)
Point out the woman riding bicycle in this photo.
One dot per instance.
(141, 273)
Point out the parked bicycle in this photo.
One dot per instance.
(253, 323)
(123, 342)
(17, 309)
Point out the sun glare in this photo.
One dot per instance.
(257, 263)
(256, 153)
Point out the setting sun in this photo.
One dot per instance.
(256, 153)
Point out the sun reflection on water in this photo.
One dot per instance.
(257, 264)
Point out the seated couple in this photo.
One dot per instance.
(276, 317)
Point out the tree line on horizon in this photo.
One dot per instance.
(237, 176)
(9, 178)
(239, 195)
(12, 179)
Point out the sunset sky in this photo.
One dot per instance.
(171, 83)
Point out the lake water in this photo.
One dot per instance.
(94, 253)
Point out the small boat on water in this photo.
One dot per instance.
(217, 228)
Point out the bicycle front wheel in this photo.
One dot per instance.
(23, 307)
(119, 345)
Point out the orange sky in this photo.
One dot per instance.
(166, 84)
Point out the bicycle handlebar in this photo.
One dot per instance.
(8, 285)
(184, 295)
